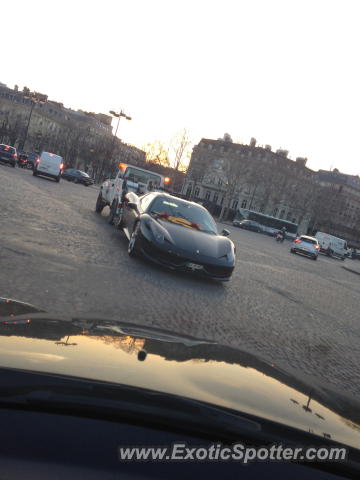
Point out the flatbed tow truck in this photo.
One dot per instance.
(129, 178)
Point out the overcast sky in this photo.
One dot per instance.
(285, 72)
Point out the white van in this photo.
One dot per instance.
(49, 165)
(332, 245)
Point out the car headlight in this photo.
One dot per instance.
(160, 234)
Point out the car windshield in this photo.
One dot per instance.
(84, 174)
(7, 148)
(139, 176)
(183, 213)
(308, 240)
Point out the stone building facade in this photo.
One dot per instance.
(344, 217)
(84, 139)
(234, 176)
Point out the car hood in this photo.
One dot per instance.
(107, 350)
(195, 241)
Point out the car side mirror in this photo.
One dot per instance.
(225, 233)
(132, 205)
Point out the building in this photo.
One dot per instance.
(84, 139)
(344, 215)
(227, 176)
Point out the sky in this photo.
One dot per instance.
(283, 71)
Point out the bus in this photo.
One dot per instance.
(270, 225)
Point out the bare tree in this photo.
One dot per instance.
(235, 172)
(180, 145)
(156, 152)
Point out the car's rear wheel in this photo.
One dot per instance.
(100, 204)
(34, 173)
(134, 239)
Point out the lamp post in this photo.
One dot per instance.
(118, 116)
(35, 98)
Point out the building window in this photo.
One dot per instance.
(215, 199)
(235, 204)
(197, 192)
(243, 204)
(207, 195)
(275, 211)
(219, 181)
(222, 200)
(288, 216)
(188, 191)
(282, 214)
(293, 220)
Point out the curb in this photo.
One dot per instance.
(351, 270)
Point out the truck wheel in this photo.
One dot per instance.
(112, 213)
(100, 204)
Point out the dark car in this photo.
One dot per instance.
(76, 393)
(32, 159)
(8, 155)
(178, 234)
(248, 225)
(77, 176)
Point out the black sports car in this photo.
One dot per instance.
(77, 176)
(178, 234)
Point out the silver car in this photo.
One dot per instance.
(306, 245)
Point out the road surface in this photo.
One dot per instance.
(58, 254)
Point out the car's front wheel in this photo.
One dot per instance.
(134, 239)
(292, 250)
(315, 257)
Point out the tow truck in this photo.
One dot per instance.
(129, 178)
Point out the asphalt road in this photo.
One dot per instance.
(58, 254)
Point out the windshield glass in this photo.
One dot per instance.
(7, 148)
(139, 176)
(308, 240)
(176, 211)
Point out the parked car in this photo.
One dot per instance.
(248, 225)
(306, 245)
(77, 176)
(49, 165)
(8, 155)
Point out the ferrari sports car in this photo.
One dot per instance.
(178, 234)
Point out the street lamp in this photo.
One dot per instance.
(35, 99)
(118, 116)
